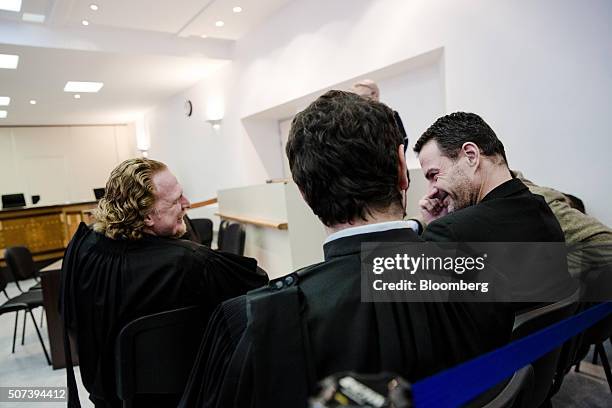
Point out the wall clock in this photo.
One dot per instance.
(188, 108)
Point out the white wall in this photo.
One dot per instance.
(537, 71)
(61, 163)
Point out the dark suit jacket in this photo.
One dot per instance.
(510, 213)
(308, 325)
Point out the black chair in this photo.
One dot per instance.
(597, 335)
(222, 228)
(516, 393)
(233, 239)
(99, 192)
(155, 353)
(596, 275)
(545, 367)
(21, 264)
(23, 302)
(204, 228)
(13, 200)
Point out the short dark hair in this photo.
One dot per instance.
(342, 151)
(451, 131)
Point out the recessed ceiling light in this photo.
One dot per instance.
(77, 96)
(9, 61)
(5, 100)
(204, 36)
(94, 7)
(2, 114)
(75, 86)
(237, 9)
(219, 23)
(32, 101)
(85, 22)
(33, 18)
(10, 5)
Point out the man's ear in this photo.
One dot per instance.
(472, 153)
(148, 220)
(402, 167)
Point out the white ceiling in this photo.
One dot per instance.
(143, 50)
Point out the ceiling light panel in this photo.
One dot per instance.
(9, 61)
(5, 100)
(85, 22)
(33, 18)
(219, 23)
(237, 9)
(2, 114)
(10, 5)
(75, 86)
(94, 7)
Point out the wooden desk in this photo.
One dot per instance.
(50, 277)
(45, 230)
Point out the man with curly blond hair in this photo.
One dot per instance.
(131, 264)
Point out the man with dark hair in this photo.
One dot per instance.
(131, 264)
(473, 197)
(466, 167)
(347, 159)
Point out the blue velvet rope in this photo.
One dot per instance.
(459, 385)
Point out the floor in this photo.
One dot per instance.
(28, 367)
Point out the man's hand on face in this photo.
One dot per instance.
(434, 205)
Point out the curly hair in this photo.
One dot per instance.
(342, 151)
(129, 197)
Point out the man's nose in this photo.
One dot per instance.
(185, 202)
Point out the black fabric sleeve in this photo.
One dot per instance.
(219, 276)
(218, 345)
(439, 232)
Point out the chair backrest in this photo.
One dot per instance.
(204, 227)
(13, 200)
(596, 277)
(516, 393)
(20, 262)
(99, 192)
(222, 227)
(154, 354)
(3, 283)
(527, 323)
(233, 239)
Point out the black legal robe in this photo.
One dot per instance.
(108, 283)
(270, 347)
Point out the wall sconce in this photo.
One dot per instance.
(216, 123)
(143, 140)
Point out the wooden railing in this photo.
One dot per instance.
(281, 225)
(204, 203)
